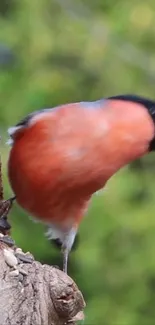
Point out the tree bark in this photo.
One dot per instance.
(35, 294)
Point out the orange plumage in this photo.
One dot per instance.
(60, 157)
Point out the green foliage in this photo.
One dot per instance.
(55, 51)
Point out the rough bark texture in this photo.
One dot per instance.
(35, 294)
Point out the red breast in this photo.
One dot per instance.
(65, 155)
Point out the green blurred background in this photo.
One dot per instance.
(58, 51)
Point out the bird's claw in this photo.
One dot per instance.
(4, 225)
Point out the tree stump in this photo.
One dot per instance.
(35, 294)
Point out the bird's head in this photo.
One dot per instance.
(145, 102)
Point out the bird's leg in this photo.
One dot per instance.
(63, 238)
(67, 243)
(65, 253)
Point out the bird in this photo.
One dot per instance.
(61, 156)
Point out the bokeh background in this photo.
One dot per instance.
(59, 51)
